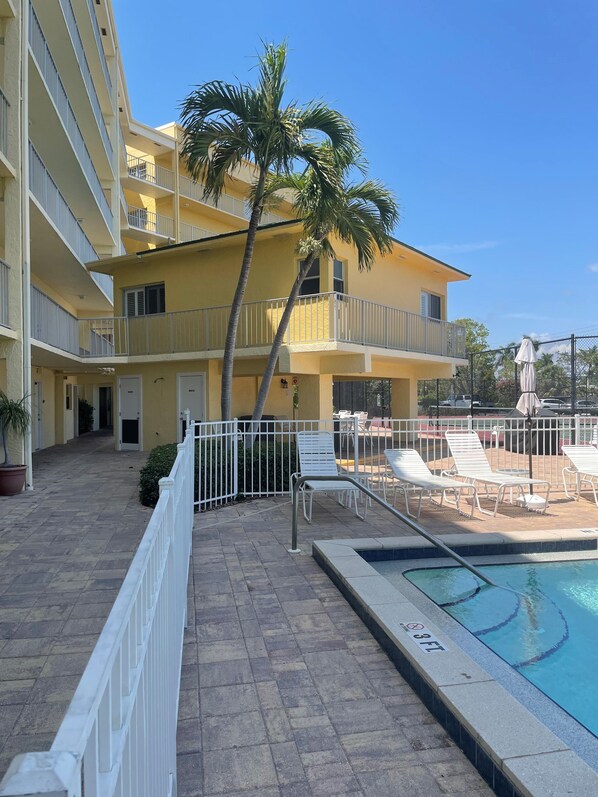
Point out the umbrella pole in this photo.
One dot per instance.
(529, 451)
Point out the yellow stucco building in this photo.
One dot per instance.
(116, 274)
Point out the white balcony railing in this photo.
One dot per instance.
(4, 275)
(147, 220)
(45, 190)
(47, 66)
(4, 106)
(226, 202)
(52, 324)
(98, 38)
(189, 232)
(325, 317)
(144, 169)
(71, 23)
(118, 736)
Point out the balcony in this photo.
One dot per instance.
(55, 87)
(71, 23)
(320, 319)
(4, 274)
(60, 249)
(226, 202)
(45, 190)
(158, 181)
(145, 225)
(189, 232)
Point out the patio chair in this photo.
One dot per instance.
(584, 467)
(472, 465)
(318, 458)
(410, 473)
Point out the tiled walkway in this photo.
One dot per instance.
(284, 692)
(64, 551)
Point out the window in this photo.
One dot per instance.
(339, 277)
(431, 306)
(311, 284)
(147, 300)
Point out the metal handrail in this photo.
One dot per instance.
(399, 515)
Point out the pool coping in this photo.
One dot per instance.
(516, 754)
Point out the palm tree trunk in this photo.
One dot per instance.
(237, 303)
(276, 344)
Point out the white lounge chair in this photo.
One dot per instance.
(411, 473)
(472, 465)
(318, 458)
(584, 460)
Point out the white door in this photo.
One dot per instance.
(191, 397)
(36, 416)
(129, 413)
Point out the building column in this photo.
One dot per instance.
(403, 398)
(213, 390)
(315, 396)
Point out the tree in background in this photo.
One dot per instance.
(225, 125)
(476, 343)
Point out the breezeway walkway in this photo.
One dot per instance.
(64, 551)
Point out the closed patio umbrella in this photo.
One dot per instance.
(528, 405)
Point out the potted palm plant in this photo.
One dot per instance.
(15, 418)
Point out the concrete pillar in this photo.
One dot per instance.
(315, 396)
(213, 390)
(403, 398)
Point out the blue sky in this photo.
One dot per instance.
(480, 114)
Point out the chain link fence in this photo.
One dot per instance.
(566, 376)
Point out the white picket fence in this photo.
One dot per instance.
(118, 737)
(241, 458)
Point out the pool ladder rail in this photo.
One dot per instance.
(299, 481)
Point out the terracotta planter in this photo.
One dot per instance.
(12, 479)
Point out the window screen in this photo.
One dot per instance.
(339, 276)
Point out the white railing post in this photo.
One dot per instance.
(43, 775)
(235, 439)
(577, 421)
(470, 423)
(356, 444)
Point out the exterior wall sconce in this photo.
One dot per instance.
(284, 384)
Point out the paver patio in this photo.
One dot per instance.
(284, 692)
(64, 551)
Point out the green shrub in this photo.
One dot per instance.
(85, 416)
(159, 463)
(263, 466)
(259, 468)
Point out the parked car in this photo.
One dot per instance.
(555, 405)
(587, 407)
(465, 401)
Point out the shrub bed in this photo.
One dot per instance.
(259, 469)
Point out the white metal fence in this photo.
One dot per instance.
(242, 458)
(118, 737)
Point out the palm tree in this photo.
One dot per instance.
(225, 125)
(361, 214)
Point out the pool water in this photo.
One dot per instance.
(550, 637)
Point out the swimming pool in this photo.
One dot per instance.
(550, 639)
(519, 739)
